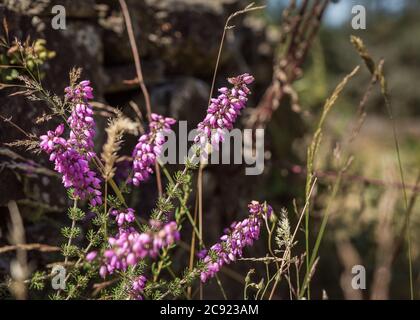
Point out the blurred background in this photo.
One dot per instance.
(178, 42)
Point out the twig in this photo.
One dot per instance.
(248, 8)
(200, 213)
(30, 246)
(19, 267)
(140, 78)
(297, 169)
(9, 120)
(385, 246)
(296, 42)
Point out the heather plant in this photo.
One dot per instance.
(112, 250)
(129, 252)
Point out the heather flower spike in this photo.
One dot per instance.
(71, 156)
(91, 256)
(128, 247)
(223, 110)
(149, 147)
(123, 217)
(236, 238)
(257, 208)
(137, 287)
(81, 92)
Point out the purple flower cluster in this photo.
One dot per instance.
(81, 92)
(123, 217)
(235, 239)
(260, 209)
(71, 156)
(82, 127)
(137, 287)
(91, 256)
(81, 120)
(223, 110)
(50, 141)
(129, 246)
(149, 147)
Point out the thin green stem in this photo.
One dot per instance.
(105, 209)
(320, 235)
(401, 172)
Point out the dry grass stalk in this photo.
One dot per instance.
(349, 257)
(140, 77)
(19, 269)
(116, 128)
(385, 241)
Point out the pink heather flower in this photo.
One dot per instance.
(82, 128)
(123, 217)
(52, 138)
(235, 239)
(76, 174)
(73, 166)
(128, 247)
(81, 120)
(91, 256)
(71, 156)
(223, 110)
(257, 208)
(81, 92)
(103, 271)
(149, 147)
(202, 253)
(137, 287)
